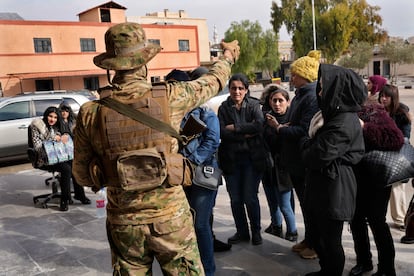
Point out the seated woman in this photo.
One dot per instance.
(47, 128)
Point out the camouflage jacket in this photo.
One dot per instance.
(161, 203)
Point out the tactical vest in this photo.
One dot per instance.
(120, 134)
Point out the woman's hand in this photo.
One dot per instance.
(57, 138)
(230, 127)
(64, 138)
(272, 121)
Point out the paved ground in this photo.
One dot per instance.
(36, 241)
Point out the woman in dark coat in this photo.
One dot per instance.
(380, 133)
(242, 157)
(335, 145)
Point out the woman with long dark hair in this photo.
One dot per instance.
(399, 112)
(47, 128)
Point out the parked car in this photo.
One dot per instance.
(16, 114)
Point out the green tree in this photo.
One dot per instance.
(258, 49)
(338, 22)
(398, 52)
(270, 61)
(334, 31)
(358, 56)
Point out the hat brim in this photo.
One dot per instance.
(127, 62)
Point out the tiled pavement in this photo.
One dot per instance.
(37, 241)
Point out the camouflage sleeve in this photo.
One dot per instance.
(184, 96)
(83, 149)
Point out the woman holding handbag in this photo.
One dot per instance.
(47, 129)
(400, 113)
(201, 152)
(380, 133)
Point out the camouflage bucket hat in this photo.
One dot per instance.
(126, 48)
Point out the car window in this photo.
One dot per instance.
(73, 104)
(42, 105)
(14, 111)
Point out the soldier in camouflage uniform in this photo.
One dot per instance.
(156, 223)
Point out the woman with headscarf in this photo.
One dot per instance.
(374, 85)
(334, 145)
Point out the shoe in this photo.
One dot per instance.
(64, 205)
(299, 246)
(257, 238)
(220, 246)
(83, 200)
(380, 273)
(308, 254)
(407, 240)
(360, 269)
(313, 273)
(275, 230)
(291, 236)
(236, 238)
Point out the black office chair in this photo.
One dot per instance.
(53, 181)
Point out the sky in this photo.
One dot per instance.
(398, 15)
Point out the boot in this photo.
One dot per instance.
(275, 230)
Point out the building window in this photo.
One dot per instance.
(87, 45)
(91, 83)
(155, 41)
(183, 45)
(42, 45)
(105, 15)
(44, 85)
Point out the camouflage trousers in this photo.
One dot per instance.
(172, 242)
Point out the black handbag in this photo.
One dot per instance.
(389, 167)
(208, 177)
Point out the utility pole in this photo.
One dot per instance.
(313, 21)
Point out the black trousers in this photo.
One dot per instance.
(298, 182)
(371, 209)
(65, 169)
(325, 235)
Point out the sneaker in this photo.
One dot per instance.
(220, 246)
(299, 246)
(236, 238)
(275, 230)
(291, 236)
(308, 254)
(257, 238)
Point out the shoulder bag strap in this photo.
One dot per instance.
(141, 117)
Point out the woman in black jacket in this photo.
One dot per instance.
(242, 157)
(335, 145)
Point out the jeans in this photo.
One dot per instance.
(202, 201)
(243, 187)
(279, 203)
